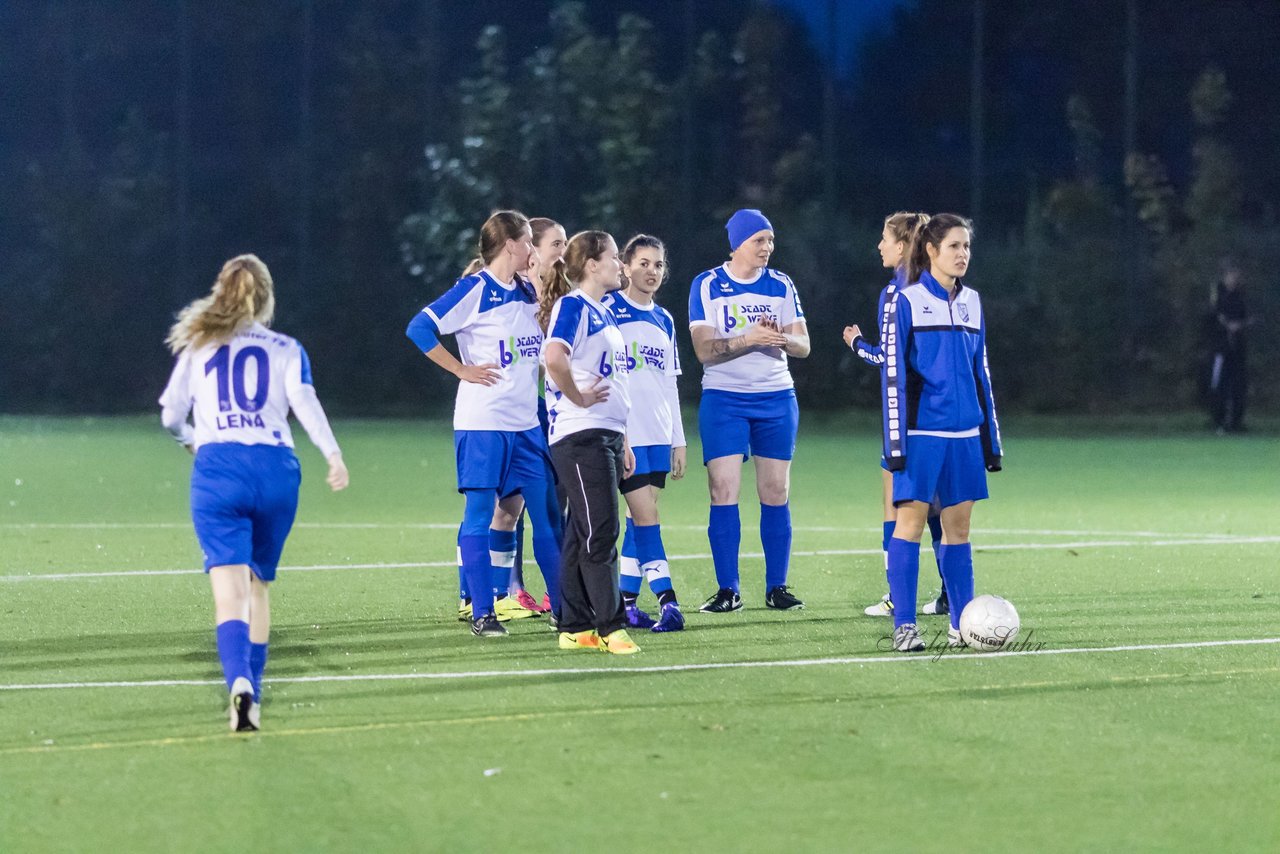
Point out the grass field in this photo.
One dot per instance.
(1143, 713)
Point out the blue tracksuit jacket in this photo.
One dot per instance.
(873, 354)
(936, 380)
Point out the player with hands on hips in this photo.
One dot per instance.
(589, 398)
(503, 464)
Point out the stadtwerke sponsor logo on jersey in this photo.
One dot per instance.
(744, 314)
(514, 349)
(644, 356)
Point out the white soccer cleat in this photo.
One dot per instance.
(907, 639)
(883, 608)
(954, 638)
(241, 709)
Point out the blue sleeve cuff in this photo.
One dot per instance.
(423, 332)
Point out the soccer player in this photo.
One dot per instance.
(546, 274)
(745, 320)
(898, 229)
(241, 379)
(941, 435)
(502, 456)
(654, 429)
(588, 393)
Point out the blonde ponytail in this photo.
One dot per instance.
(555, 284)
(242, 294)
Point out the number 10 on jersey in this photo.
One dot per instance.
(230, 376)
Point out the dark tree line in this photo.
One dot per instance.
(357, 147)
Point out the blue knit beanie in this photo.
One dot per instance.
(745, 223)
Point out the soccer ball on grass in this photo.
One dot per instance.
(989, 623)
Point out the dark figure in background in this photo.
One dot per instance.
(1228, 377)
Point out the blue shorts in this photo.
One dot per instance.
(652, 458)
(764, 424)
(503, 460)
(950, 471)
(653, 462)
(243, 500)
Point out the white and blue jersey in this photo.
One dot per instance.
(241, 392)
(729, 306)
(937, 381)
(494, 323)
(596, 352)
(653, 362)
(244, 483)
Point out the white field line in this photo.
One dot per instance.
(886, 658)
(453, 526)
(1089, 544)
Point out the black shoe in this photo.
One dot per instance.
(723, 602)
(937, 606)
(487, 627)
(780, 597)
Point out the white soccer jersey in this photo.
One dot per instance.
(494, 323)
(596, 351)
(653, 361)
(242, 391)
(729, 306)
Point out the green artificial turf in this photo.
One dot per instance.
(1100, 541)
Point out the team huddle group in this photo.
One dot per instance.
(567, 398)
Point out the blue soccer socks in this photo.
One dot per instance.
(517, 568)
(904, 578)
(478, 571)
(257, 665)
(502, 557)
(233, 651)
(957, 573)
(935, 532)
(473, 549)
(652, 558)
(724, 531)
(644, 558)
(463, 591)
(884, 546)
(544, 515)
(775, 537)
(629, 574)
